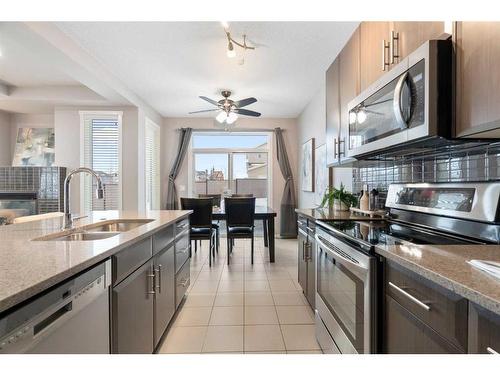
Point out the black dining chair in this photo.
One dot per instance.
(201, 223)
(264, 221)
(240, 214)
(216, 200)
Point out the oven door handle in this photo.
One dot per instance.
(340, 257)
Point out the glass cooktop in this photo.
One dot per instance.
(387, 232)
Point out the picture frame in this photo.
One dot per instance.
(307, 168)
(323, 174)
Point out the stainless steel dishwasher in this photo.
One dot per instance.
(72, 317)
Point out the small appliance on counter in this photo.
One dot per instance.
(347, 292)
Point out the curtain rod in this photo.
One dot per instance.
(233, 130)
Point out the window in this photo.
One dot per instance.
(152, 147)
(101, 151)
(234, 163)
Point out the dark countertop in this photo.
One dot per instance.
(327, 214)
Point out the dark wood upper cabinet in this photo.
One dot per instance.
(372, 37)
(332, 113)
(384, 44)
(412, 35)
(477, 79)
(349, 88)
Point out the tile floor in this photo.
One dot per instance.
(240, 308)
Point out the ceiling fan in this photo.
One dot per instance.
(229, 109)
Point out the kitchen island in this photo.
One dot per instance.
(148, 254)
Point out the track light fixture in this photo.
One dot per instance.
(231, 52)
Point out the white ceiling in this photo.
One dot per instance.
(21, 66)
(169, 64)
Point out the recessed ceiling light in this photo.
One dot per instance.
(225, 24)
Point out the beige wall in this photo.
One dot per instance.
(312, 124)
(170, 139)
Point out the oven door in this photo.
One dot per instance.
(344, 293)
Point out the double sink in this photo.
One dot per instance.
(96, 231)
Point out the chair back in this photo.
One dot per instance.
(240, 212)
(202, 211)
(241, 195)
(216, 198)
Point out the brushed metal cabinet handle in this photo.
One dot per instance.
(392, 49)
(409, 296)
(151, 282)
(385, 49)
(158, 270)
(491, 351)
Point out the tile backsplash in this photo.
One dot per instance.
(480, 163)
(47, 182)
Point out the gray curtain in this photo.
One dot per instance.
(288, 221)
(172, 200)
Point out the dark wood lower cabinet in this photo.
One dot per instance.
(484, 331)
(404, 333)
(132, 313)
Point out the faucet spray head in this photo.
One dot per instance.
(99, 192)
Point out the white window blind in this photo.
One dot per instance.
(101, 152)
(152, 149)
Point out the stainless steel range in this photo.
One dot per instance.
(347, 267)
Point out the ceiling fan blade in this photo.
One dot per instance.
(246, 112)
(204, 110)
(244, 102)
(211, 101)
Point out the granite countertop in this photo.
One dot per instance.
(326, 214)
(29, 267)
(447, 266)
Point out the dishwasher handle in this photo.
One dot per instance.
(57, 315)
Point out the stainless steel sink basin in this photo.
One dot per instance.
(117, 226)
(96, 231)
(83, 236)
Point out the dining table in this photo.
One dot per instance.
(264, 213)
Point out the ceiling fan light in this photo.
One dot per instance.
(221, 117)
(232, 117)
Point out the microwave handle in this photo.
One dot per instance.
(340, 258)
(398, 112)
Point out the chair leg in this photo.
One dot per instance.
(195, 246)
(228, 248)
(252, 248)
(210, 252)
(217, 239)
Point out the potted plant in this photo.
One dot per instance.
(339, 199)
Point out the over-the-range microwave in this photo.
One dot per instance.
(410, 105)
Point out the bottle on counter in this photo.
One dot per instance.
(373, 204)
(364, 201)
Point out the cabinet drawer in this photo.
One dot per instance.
(162, 239)
(444, 311)
(181, 251)
(182, 281)
(484, 330)
(302, 223)
(181, 226)
(129, 259)
(404, 333)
